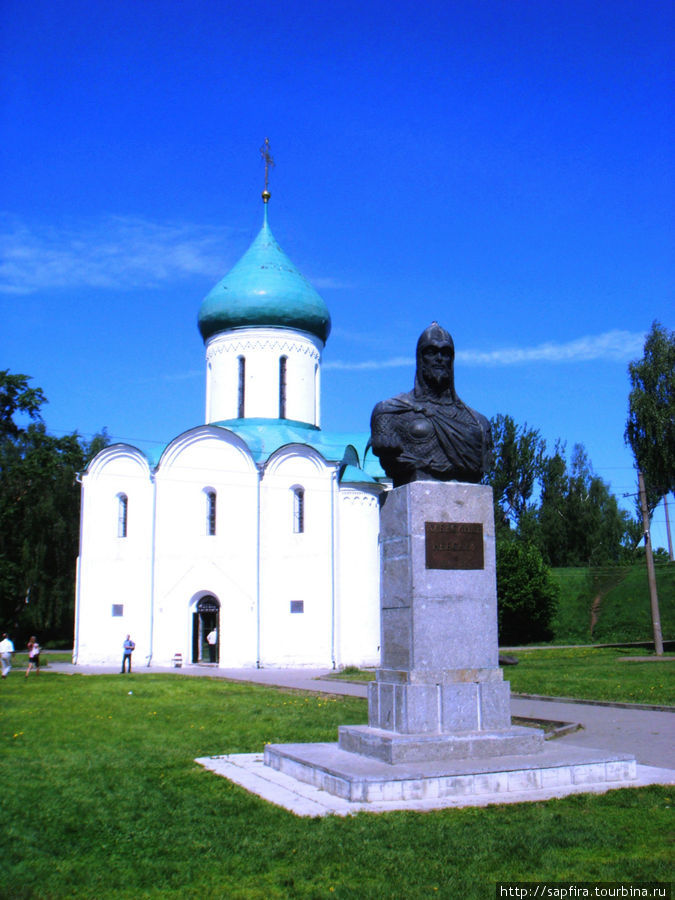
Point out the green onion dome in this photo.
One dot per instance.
(264, 289)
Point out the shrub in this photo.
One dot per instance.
(527, 597)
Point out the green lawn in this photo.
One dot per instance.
(621, 597)
(593, 674)
(20, 660)
(590, 673)
(101, 798)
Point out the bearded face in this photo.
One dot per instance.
(436, 361)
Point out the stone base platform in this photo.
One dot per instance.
(395, 748)
(249, 772)
(361, 779)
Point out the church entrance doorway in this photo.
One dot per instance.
(205, 630)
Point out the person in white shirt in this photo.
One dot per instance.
(212, 640)
(6, 651)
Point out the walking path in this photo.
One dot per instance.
(648, 734)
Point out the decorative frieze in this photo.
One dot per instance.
(276, 345)
(359, 498)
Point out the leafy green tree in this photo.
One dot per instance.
(567, 511)
(39, 514)
(17, 397)
(527, 598)
(517, 466)
(595, 526)
(552, 532)
(580, 522)
(650, 429)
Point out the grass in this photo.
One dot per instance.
(352, 673)
(624, 611)
(593, 673)
(589, 673)
(101, 799)
(20, 660)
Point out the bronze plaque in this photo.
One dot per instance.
(454, 545)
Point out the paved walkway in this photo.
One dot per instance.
(648, 734)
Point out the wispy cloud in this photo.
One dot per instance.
(188, 375)
(171, 377)
(323, 283)
(612, 345)
(115, 252)
(394, 362)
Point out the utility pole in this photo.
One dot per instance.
(656, 619)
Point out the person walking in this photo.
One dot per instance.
(33, 656)
(129, 648)
(6, 652)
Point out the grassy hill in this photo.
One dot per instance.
(611, 604)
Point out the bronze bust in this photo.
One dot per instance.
(428, 433)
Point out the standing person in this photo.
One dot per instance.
(33, 656)
(6, 651)
(212, 640)
(129, 647)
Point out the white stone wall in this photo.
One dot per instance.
(256, 564)
(297, 566)
(190, 563)
(113, 569)
(358, 624)
(262, 349)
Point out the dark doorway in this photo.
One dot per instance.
(205, 631)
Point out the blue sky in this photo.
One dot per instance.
(502, 167)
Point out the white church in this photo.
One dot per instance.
(257, 525)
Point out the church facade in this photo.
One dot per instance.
(257, 530)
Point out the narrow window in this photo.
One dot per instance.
(316, 394)
(282, 386)
(210, 512)
(298, 510)
(118, 609)
(122, 515)
(297, 606)
(242, 387)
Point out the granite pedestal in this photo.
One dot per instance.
(439, 692)
(439, 716)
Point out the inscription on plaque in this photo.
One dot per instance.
(454, 545)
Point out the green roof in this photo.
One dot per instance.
(264, 436)
(264, 289)
(353, 475)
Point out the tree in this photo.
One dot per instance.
(580, 522)
(527, 598)
(650, 429)
(517, 466)
(552, 533)
(17, 397)
(39, 513)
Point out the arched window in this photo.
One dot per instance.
(282, 386)
(122, 515)
(298, 510)
(210, 511)
(241, 389)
